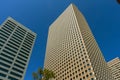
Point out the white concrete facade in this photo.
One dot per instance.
(16, 43)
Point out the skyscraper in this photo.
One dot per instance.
(72, 52)
(16, 43)
(114, 66)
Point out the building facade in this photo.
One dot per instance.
(16, 43)
(114, 66)
(72, 52)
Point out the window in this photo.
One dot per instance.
(3, 75)
(15, 69)
(15, 74)
(90, 74)
(92, 79)
(4, 65)
(2, 69)
(11, 78)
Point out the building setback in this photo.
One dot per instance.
(72, 52)
(114, 66)
(16, 43)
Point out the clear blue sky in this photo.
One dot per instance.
(103, 17)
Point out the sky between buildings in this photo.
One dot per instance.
(103, 17)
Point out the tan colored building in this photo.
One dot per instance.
(114, 66)
(72, 52)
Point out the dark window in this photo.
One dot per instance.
(5, 65)
(5, 51)
(92, 78)
(15, 74)
(10, 49)
(6, 56)
(3, 69)
(3, 75)
(15, 69)
(19, 66)
(23, 55)
(21, 59)
(20, 62)
(11, 78)
(5, 60)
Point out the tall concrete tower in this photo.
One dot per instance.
(72, 52)
(16, 43)
(114, 66)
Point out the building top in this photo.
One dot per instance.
(17, 23)
(71, 7)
